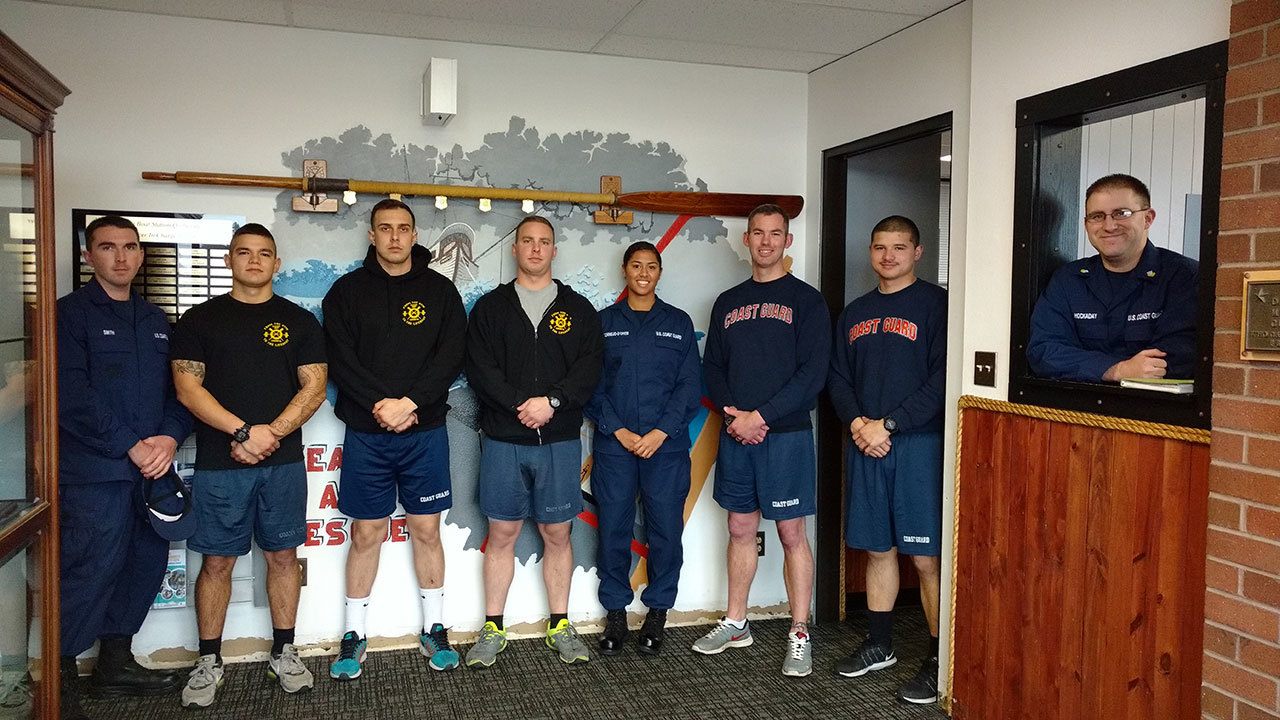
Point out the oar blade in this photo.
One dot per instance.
(707, 203)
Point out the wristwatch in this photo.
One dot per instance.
(242, 433)
(890, 425)
(555, 401)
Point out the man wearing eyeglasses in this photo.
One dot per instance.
(1127, 312)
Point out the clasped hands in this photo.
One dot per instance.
(642, 446)
(261, 443)
(746, 426)
(870, 437)
(153, 455)
(535, 412)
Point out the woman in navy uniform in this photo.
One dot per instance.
(648, 394)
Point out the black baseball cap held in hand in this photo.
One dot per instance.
(169, 506)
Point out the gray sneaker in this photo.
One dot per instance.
(724, 636)
(563, 638)
(202, 683)
(485, 652)
(799, 659)
(289, 670)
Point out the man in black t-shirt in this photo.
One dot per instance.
(250, 366)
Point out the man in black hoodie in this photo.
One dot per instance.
(534, 350)
(395, 331)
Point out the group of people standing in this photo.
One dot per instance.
(248, 368)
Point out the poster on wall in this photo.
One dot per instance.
(173, 587)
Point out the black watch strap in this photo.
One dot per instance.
(242, 433)
(890, 424)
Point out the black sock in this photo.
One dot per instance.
(881, 627)
(212, 647)
(496, 620)
(933, 648)
(557, 617)
(279, 638)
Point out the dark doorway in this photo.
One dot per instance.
(906, 171)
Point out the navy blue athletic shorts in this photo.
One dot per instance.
(896, 501)
(776, 477)
(376, 467)
(233, 507)
(543, 482)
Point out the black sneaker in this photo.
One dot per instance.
(923, 688)
(869, 657)
(615, 632)
(652, 632)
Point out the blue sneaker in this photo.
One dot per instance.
(435, 646)
(350, 657)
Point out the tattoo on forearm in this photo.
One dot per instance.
(190, 367)
(305, 401)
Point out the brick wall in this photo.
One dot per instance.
(1242, 602)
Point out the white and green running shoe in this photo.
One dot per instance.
(351, 654)
(436, 648)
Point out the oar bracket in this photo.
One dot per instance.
(612, 214)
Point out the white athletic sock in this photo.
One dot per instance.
(357, 608)
(739, 624)
(432, 607)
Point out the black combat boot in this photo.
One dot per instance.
(70, 691)
(118, 673)
(652, 632)
(615, 632)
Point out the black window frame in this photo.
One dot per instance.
(1187, 75)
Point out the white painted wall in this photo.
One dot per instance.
(1022, 48)
(165, 93)
(918, 73)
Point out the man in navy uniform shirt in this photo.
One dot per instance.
(119, 422)
(1127, 312)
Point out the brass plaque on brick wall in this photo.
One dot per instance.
(1260, 316)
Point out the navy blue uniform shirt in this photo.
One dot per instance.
(651, 379)
(115, 384)
(1090, 318)
(768, 348)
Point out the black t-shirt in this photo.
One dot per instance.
(251, 354)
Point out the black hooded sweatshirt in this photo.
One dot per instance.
(391, 337)
(510, 361)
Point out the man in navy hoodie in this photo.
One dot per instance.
(534, 350)
(888, 375)
(765, 363)
(395, 333)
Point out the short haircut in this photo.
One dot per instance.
(1120, 181)
(253, 229)
(897, 223)
(534, 219)
(638, 246)
(112, 221)
(390, 204)
(770, 209)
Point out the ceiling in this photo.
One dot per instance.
(794, 35)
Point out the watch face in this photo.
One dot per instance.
(555, 402)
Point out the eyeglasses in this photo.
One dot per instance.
(1095, 218)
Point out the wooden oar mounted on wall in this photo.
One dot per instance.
(659, 201)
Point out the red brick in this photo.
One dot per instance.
(1249, 712)
(1216, 705)
(1246, 551)
(1261, 588)
(1240, 682)
(1247, 414)
(1241, 615)
(1226, 347)
(1252, 79)
(1220, 640)
(1273, 40)
(1226, 315)
(1241, 114)
(1224, 512)
(1253, 13)
(1240, 213)
(1269, 177)
(1264, 453)
(1228, 380)
(1261, 656)
(1271, 103)
(1260, 144)
(1230, 280)
(1234, 248)
(1244, 48)
(1264, 383)
(1236, 180)
(1261, 522)
(1266, 247)
(1221, 576)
